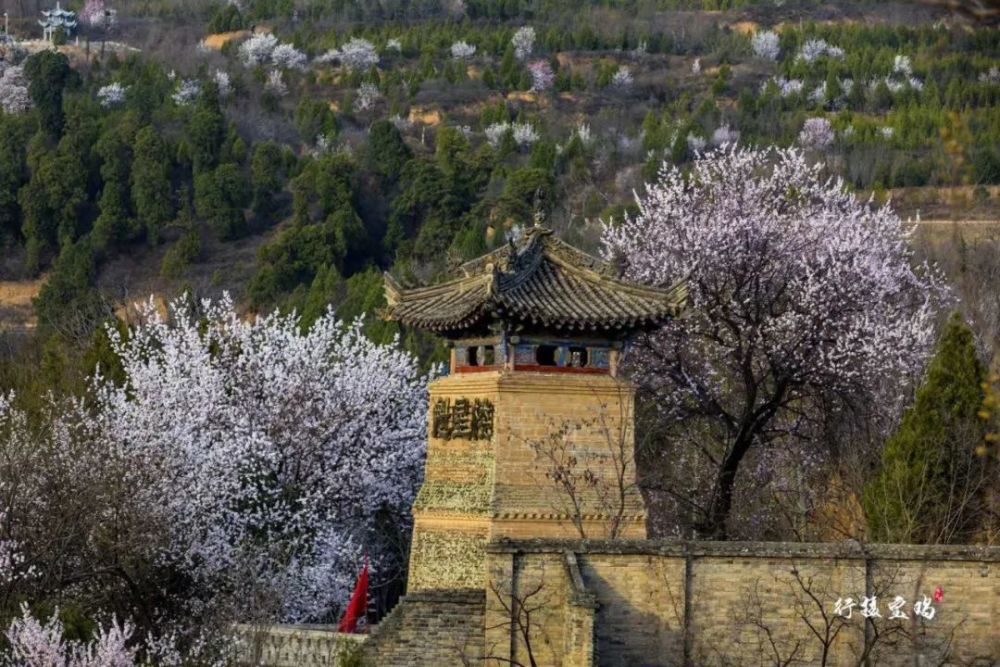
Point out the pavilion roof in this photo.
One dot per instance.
(539, 281)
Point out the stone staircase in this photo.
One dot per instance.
(430, 628)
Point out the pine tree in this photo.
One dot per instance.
(151, 183)
(927, 488)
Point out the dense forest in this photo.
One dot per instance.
(273, 158)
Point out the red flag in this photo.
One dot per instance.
(357, 611)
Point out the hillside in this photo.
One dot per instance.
(290, 152)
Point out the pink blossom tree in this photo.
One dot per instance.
(800, 297)
(542, 75)
(249, 460)
(14, 97)
(256, 443)
(36, 644)
(816, 133)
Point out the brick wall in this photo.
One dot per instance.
(476, 491)
(660, 603)
(429, 629)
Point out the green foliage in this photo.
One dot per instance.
(188, 248)
(49, 74)
(327, 232)
(929, 465)
(387, 152)
(206, 131)
(151, 183)
(267, 176)
(115, 224)
(227, 18)
(52, 199)
(13, 174)
(314, 118)
(220, 196)
(68, 304)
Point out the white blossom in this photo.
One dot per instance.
(818, 95)
(401, 122)
(786, 87)
(187, 92)
(366, 96)
(817, 133)
(286, 56)
(990, 76)
(524, 42)
(766, 45)
(35, 644)
(583, 132)
(111, 95)
(814, 49)
(724, 135)
(902, 66)
(695, 143)
(796, 292)
(220, 419)
(524, 134)
(887, 132)
(462, 50)
(394, 45)
(542, 75)
(276, 83)
(222, 82)
(355, 54)
(696, 66)
(14, 97)
(495, 133)
(257, 49)
(622, 77)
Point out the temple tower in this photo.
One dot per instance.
(531, 432)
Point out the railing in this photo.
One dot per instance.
(297, 645)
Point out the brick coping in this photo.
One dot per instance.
(681, 548)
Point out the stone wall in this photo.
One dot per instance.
(654, 604)
(429, 629)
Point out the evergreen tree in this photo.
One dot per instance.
(207, 130)
(265, 177)
(49, 73)
(51, 201)
(220, 196)
(151, 183)
(927, 488)
(114, 224)
(13, 172)
(387, 152)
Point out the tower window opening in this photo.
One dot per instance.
(578, 357)
(489, 355)
(472, 355)
(545, 355)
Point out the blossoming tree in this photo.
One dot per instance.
(260, 442)
(251, 461)
(800, 295)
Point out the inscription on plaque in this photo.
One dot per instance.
(463, 418)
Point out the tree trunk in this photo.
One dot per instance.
(714, 526)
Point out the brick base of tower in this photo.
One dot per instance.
(479, 489)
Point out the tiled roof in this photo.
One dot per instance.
(540, 281)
